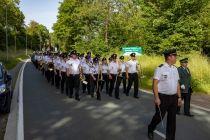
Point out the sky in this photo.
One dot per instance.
(42, 11)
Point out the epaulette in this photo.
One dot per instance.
(175, 66)
(160, 65)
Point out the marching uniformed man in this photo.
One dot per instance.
(74, 74)
(62, 71)
(86, 69)
(186, 86)
(113, 73)
(121, 76)
(167, 95)
(45, 64)
(95, 79)
(132, 69)
(57, 62)
(50, 71)
(105, 71)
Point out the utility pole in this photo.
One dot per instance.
(6, 32)
(26, 41)
(40, 43)
(15, 40)
(107, 22)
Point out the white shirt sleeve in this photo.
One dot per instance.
(157, 74)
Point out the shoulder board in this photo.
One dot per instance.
(174, 66)
(160, 65)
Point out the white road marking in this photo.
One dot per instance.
(20, 123)
(193, 105)
(160, 134)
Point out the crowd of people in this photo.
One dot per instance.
(70, 72)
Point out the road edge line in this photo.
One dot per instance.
(160, 134)
(20, 123)
(193, 105)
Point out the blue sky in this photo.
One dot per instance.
(43, 11)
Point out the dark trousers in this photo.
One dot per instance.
(105, 81)
(95, 84)
(187, 98)
(169, 105)
(42, 69)
(74, 84)
(36, 64)
(118, 82)
(67, 85)
(112, 83)
(57, 79)
(86, 86)
(50, 77)
(133, 78)
(63, 80)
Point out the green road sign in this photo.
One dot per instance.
(132, 49)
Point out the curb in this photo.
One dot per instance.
(12, 123)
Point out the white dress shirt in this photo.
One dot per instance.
(86, 68)
(105, 69)
(168, 79)
(113, 67)
(73, 66)
(63, 66)
(132, 66)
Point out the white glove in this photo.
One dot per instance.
(182, 86)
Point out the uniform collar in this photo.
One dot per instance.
(167, 65)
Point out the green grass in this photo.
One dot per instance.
(13, 58)
(199, 66)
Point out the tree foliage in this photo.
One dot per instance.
(101, 25)
(17, 29)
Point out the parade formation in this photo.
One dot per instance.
(70, 72)
(75, 71)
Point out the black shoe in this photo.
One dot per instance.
(70, 96)
(189, 115)
(178, 113)
(127, 94)
(78, 99)
(110, 95)
(150, 134)
(137, 97)
(99, 99)
(118, 98)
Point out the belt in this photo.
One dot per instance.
(162, 94)
(74, 74)
(133, 73)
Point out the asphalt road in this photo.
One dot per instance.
(49, 115)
